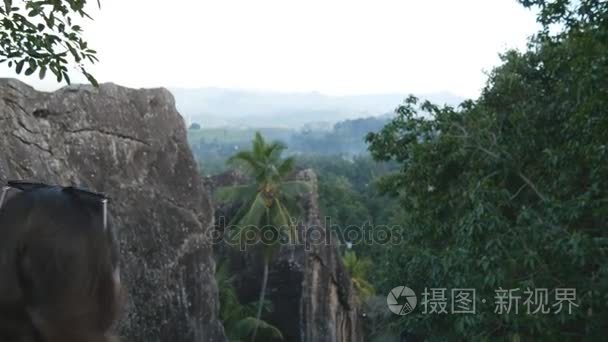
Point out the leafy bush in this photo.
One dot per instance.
(510, 190)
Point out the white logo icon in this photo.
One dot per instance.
(401, 300)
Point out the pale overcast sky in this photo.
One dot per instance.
(335, 47)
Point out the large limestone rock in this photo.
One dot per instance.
(130, 144)
(310, 290)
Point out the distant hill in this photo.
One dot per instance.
(346, 138)
(215, 107)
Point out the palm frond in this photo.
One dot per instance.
(253, 306)
(238, 193)
(246, 159)
(230, 307)
(255, 213)
(222, 275)
(293, 207)
(358, 269)
(281, 218)
(249, 218)
(356, 266)
(266, 331)
(364, 288)
(294, 189)
(286, 167)
(259, 146)
(240, 213)
(274, 150)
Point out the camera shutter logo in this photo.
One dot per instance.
(401, 300)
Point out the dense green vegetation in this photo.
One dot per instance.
(510, 190)
(352, 205)
(215, 145)
(348, 197)
(347, 188)
(505, 192)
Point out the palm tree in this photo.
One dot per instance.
(266, 202)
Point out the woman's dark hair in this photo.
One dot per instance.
(59, 268)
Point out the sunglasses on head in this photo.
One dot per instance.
(78, 192)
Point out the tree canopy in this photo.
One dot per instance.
(509, 191)
(45, 36)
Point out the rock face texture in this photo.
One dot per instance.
(131, 145)
(310, 290)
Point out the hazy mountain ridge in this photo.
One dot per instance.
(216, 107)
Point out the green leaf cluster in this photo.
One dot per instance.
(358, 269)
(40, 36)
